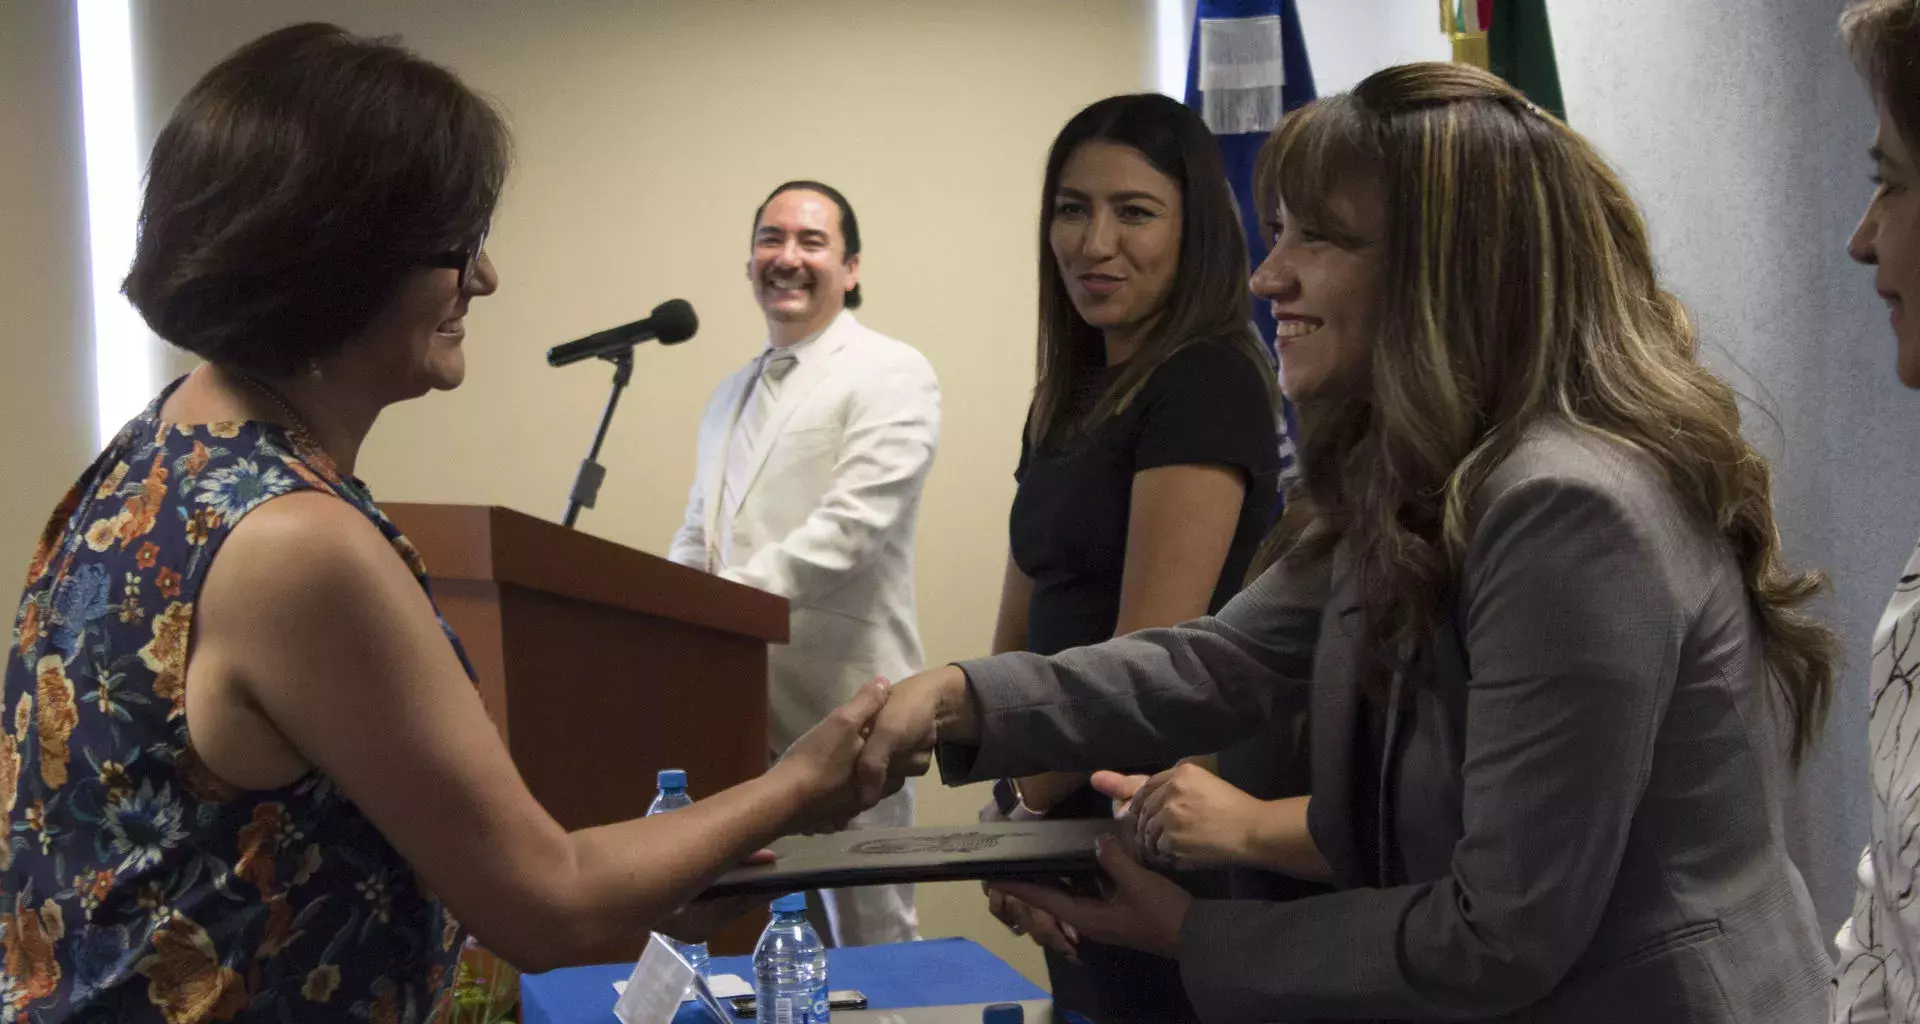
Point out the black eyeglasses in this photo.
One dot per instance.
(465, 259)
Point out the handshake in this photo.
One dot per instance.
(872, 744)
(867, 748)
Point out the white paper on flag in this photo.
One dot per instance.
(1241, 74)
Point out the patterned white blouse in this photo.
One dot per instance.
(1880, 945)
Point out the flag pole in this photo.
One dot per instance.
(1469, 38)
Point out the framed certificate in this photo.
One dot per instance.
(1013, 850)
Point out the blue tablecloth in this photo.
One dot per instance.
(937, 972)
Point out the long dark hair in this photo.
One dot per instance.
(1209, 296)
(1519, 284)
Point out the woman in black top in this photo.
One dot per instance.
(1149, 463)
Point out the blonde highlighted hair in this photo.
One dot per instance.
(1518, 283)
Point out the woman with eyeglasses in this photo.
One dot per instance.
(245, 767)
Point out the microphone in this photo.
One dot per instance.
(671, 323)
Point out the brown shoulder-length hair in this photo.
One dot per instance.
(297, 185)
(1517, 283)
(1883, 36)
(1209, 296)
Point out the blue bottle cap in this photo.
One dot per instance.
(1003, 1013)
(791, 903)
(673, 778)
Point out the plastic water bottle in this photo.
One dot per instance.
(790, 967)
(672, 797)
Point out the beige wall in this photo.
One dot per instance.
(647, 134)
(46, 354)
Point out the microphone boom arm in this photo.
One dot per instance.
(670, 323)
(586, 485)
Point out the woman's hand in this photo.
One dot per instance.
(822, 763)
(1145, 912)
(1189, 816)
(1022, 919)
(1120, 789)
(920, 711)
(1019, 918)
(701, 920)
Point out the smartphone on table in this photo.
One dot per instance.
(844, 999)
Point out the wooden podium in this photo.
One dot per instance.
(601, 665)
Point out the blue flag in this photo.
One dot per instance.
(1246, 67)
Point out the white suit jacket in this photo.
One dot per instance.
(827, 517)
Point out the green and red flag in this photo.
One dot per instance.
(1520, 50)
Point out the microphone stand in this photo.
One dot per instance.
(586, 486)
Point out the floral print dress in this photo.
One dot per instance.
(138, 885)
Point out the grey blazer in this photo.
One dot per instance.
(1581, 818)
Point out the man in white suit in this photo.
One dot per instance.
(811, 461)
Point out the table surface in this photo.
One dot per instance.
(936, 972)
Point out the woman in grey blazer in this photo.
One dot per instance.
(1531, 593)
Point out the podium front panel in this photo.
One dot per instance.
(603, 698)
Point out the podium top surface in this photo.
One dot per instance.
(491, 544)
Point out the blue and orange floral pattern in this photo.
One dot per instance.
(135, 884)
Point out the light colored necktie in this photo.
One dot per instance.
(744, 442)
